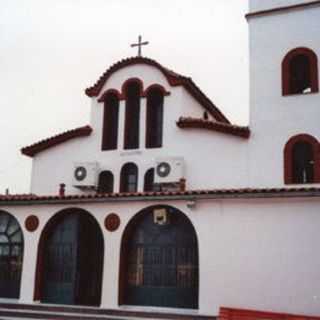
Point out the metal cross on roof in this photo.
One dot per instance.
(139, 45)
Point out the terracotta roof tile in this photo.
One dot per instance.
(173, 78)
(198, 123)
(214, 193)
(55, 140)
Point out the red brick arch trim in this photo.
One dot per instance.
(128, 81)
(156, 87)
(288, 176)
(313, 69)
(143, 93)
(108, 92)
(173, 78)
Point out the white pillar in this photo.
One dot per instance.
(122, 110)
(28, 276)
(142, 131)
(110, 284)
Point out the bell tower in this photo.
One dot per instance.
(284, 91)
(258, 5)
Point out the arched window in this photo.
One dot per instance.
(129, 178)
(132, 91)
(154, 118)
(110, 122)
(11, 254)
(149, 184)
(300, 72)
(105, 184)
(300, 160)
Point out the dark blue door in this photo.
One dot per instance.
(73, 262)
(61, 262)
(162, 262)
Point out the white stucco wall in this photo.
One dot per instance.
(258, 254)
(201, 149)
(213, 160)
(275, 118)
(257, 5)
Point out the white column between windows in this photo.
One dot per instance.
(122, 113)
(143, 119)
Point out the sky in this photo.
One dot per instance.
(50, 51)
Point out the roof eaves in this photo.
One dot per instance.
(199, 123)
(214, 194)
(50, 142)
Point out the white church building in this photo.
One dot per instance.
(162, 208)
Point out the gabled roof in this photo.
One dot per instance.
(172, 77)
(244, 193)
(199, 123)
(42, 145)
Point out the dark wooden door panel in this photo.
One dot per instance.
(163, 263)
(74, 262)
(61, 262)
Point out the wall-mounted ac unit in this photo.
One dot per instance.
(85, 175)
(169, 170)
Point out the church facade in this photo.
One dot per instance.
(161, 204)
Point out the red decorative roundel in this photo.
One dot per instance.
(32, 223)
(112, 222)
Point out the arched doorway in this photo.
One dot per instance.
(159, 260)
(11, 255)
(70, 260)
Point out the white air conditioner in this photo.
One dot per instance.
(169, 170)
(85, 174)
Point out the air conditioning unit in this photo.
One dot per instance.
(169, 170)
(85, 175)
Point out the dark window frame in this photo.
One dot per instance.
(287, 70)
(132, 90)
(129, 177)
(154, 118)
(11, 255)
(149, 185)
(106, 182)
(289, 161)
(110, 122)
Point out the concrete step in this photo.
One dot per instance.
(60, 312)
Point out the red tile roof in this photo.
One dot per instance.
(243, 314)
(173, 78)
(167, 195)
(42, 145)
(198, 123)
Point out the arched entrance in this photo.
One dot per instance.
(11, 255)
(159, 260)
(70, 260)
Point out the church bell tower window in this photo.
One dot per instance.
(154, 123)
(301, 164)
(110, 122)
(132, 91)
(300, 72)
